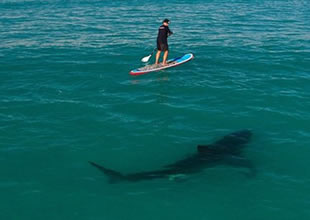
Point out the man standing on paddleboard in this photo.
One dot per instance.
(162, 42)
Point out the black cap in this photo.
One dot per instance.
(166, 21)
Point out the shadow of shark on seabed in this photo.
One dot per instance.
(227, 150)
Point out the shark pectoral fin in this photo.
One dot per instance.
(243, 163)
(114, 176)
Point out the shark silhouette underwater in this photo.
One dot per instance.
(225, 151)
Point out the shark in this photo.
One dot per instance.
(228, 150)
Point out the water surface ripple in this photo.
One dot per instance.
(66, 97)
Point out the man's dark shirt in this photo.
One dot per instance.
(163, 33)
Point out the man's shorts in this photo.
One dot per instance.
(162, 46)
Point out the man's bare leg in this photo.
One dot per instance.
(157, 56)
(165, 57)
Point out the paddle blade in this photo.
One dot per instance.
(145, 59)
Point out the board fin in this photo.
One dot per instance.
(113, 175)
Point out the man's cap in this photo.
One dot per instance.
(166, 21)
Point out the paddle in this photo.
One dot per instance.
(145, 59)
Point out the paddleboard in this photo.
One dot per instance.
(156, 67)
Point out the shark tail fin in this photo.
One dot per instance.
(113, 175)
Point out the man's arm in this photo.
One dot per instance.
(169, 31)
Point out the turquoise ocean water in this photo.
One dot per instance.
(66, 98)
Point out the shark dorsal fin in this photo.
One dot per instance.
(204, 148)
